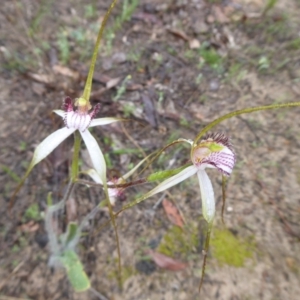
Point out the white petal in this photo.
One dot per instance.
(94, 175)
(103, 121)
(95, 154)
(184, 174)
(50, 143)
(59, 112)
(207, 195)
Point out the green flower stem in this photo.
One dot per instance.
(113, 220)
(75, 160)
(89, 81)
(241, 112)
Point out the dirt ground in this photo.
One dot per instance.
(190, 62)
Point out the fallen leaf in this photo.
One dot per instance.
(173, 213)
(166, 262)
(112, 82)
(71, 209)
(31, 226)
(179, 33)
(220, 15)
(41, 77)
(65, 71)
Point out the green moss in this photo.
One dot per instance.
(32, 213)
(178, 242)
(127, 272)
(230, 250)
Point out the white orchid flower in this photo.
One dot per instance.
(79, 119)
(215, 151)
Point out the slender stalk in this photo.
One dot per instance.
(241, 112)
(54, 245)
(205, 251)
(224, 179)
(89, 81)
(75, 161)
(113, 220)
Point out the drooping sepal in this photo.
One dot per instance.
(96, 155)
(207, 196)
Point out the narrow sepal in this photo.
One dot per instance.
(95, 153)
(59, 112)
(207, 196)
(132, 171)
(41, 152)
(49, 144)
(103, 121)
(181, 176)
(94, 175)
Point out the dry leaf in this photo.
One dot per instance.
(31, 226)
(166, 262)
(65, 71)
(173, 213)
(41, 77)
(219, 15)
(71, 209)
(112, 82)
(179, 33)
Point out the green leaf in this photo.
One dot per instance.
(161, 175)
(75, 272)
(71, 232)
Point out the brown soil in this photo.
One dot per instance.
(173, 92)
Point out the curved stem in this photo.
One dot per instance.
(88, 84)
(240, 112)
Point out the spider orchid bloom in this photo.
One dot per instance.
(215, 151)
(79, 119)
